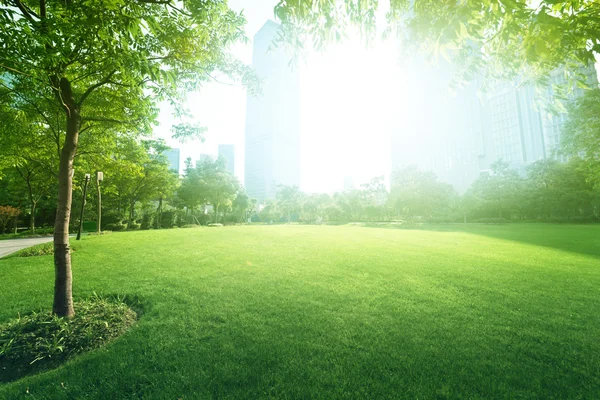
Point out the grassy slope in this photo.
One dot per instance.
(332, 312)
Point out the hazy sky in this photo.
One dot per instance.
(346, 103)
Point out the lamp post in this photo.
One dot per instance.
(99, 178)
(85, 185)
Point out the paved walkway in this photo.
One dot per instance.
(10, 246)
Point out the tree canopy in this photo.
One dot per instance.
(94, 63)
(496, 38)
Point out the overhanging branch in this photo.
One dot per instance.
(26, 11)
(89, 91)
(110, 120)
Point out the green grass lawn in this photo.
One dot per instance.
(510, 311)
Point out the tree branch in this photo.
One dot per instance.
(26, 11)
(111, 120)
(43, 9)
(89, 91)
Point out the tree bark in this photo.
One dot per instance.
(99, 227)
(32, 221)
(132, 212)
(159, 211)
(63, 292)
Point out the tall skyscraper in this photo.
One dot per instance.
(460, 135)
(227, 152)
(204, 157)
(272, 149)
(173, 155)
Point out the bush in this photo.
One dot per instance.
(492, 220)
(39, 250)
(116, 227)
(558, 220)
(181, 219)
(147, 221)
(110, 217)
(440, 220)
(232, 218)
(204, 219)
(409, 225)
(167, 219)
(41, 340)
(593, 218)
(133, 226)
(44, 249)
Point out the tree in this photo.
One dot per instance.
(350, 203)
(500, 192)
(221, 187)
(581, 133)
(243, 205)
(418, 193)
(7, 213)
(497, 38)
(28, 146)
(119, 56)
(289, 200)
(375, 196)
(559, 189)
(192, 191)
(39, 182)
(209, 183)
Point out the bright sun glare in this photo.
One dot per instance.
(352, 98)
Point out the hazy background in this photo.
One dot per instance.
(350, 97)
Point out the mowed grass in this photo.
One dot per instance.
(508, 311)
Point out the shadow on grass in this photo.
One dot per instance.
(576, 238)
(39, 342)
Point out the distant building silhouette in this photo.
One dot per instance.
(204, 157)
(348, 183)
(227, 152)
(463, 133)
(272, 148)
(173, 155)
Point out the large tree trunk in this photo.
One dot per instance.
(63, 293)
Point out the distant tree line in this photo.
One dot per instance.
(550, 191)
(140, 192)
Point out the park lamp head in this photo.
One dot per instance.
(87, 177)
(99, 176)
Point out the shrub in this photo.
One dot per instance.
(133, 226)
(116, 227)
(409, 225)
(110, 218)
(7, 214)
(181, 219)
(440, 220)
(147, 221)
(492, 220)
(558, 220)
(167, 219)
(232, 218)
(204, 219)
(38, 250)
(42, 340)
(44, 249)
